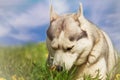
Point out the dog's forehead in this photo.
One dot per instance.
(65, 23)
(62, 20)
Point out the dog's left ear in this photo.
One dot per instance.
(53, 14)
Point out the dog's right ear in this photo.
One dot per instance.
(79, 14)
(80, 11)
(53, 14)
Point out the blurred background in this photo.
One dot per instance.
(23, 25)
(25, 21)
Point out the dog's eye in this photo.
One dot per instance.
(69, 48)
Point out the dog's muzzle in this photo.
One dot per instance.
(52, 67)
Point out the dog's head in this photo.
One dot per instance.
(67, 40)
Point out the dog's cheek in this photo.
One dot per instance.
(82, 45)
(49, 61)
(69, 60)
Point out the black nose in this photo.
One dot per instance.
(59, 68)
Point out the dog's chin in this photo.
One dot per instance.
(65, 60)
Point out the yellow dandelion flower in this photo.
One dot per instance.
(2, 79)
(14, 77)
(117, 77)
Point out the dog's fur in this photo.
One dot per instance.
(73, 40)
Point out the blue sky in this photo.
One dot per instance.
(23, 21)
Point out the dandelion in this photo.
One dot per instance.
(2, 79)
(14, 77)
(117, 77)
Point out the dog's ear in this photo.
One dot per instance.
(53, 14)
(80, 11)
(79, 14)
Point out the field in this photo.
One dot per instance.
(28, 63)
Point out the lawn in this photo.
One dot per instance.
(28, 63)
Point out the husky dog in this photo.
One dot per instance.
(72, 40)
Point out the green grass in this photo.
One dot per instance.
(28, 63)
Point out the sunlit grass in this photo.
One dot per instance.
(28, 63)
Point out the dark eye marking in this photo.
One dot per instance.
(71, 38)
(54, 31)
(50, 33)
(82, 35)
(78, 36)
